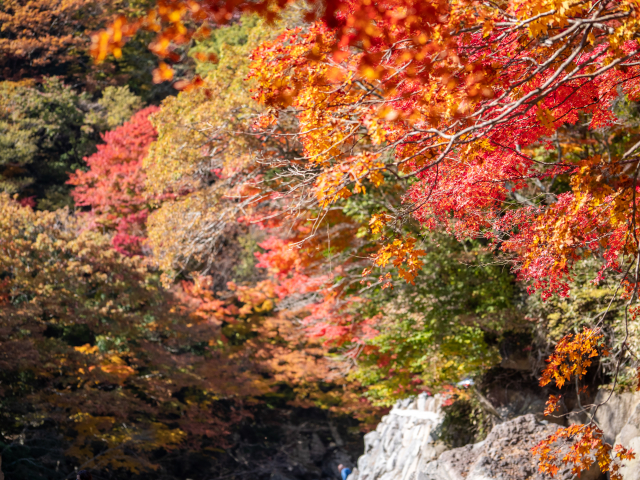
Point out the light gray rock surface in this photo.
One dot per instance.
(504, 455)
(613, 415)
(629, 436)
(405, 445)
(404, 442)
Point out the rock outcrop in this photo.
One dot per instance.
(404, 442)
(629, 436)
(504, 455)
(406, 445)
(614, 414)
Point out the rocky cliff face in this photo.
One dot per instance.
(406, 444)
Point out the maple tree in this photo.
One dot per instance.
(93, 343)
(572, 356)
(74, 314)
(121, 368)
(504, 119)
(231, 178)
(486, 99)
(113, 185)
(485, 102)
(472, 148)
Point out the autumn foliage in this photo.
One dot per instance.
(578, 446)
(94, 343)
(497, 121)
(114, 184)
(477, 107)
(41, 34)
(586, 447)
(250, 231)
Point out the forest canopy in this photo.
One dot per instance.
(242, 206)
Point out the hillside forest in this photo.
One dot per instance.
(229, 225)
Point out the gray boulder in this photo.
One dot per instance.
(629, 436)
(613, 415)
(405, 446)
(504, 455)
(506, 452)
